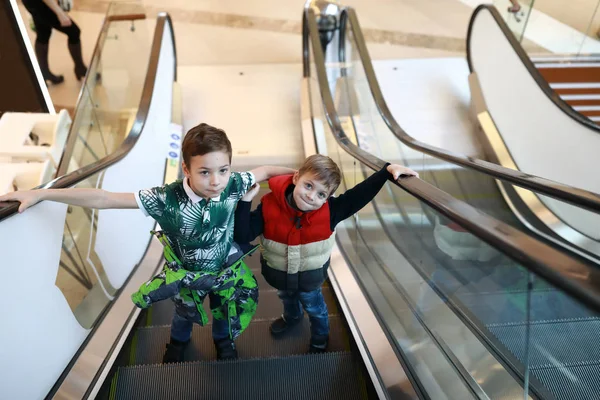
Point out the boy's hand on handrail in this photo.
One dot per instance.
(251, 193)
(399, 171)
(27, 198)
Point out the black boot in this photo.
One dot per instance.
(318, 343)
(280, 326)
(41, 52)
(175, 351)
(226, 349)
(80, 68)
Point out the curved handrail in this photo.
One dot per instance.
(580, 280)
(75, 177)
(527, 63)
(579, 197)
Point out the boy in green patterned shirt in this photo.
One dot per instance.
(196, 216)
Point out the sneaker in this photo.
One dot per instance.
(226, 349)
(280, 325)
(318, 344)
(175, 351)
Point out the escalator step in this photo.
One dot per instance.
(255, 342)
(314, 376)
(509, 308)
(269, 306)
(582, 382)
(555, 343)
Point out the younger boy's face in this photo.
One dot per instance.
(310, 193)
(208, 174)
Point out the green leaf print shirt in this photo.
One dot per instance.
(199, 231)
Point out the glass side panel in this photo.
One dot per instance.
(104, 116)
(396, 301)
(450, 128)
(81, 276)
(108, 103)
(456, 308)
(516, 14)
(354, 99)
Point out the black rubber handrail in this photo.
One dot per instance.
(580, 280)
(10, 208)
(579, 197)
(522, 54)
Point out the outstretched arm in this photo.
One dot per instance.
(360, 195)
(267, 172)
(89, 198)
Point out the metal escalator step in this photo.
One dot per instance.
(553, 344)
(306, 377)
(255, 342)
(582, 382)
(269, 306)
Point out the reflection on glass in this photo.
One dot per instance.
(516, 14)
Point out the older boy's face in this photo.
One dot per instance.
(310, 193)
(208, 174)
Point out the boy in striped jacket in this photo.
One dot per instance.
(296, 224)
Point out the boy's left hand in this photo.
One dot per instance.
(398, 170)
(251, 193)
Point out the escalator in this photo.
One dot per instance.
(267, 368)
(398, 329)
(500, 301)
(527, 126)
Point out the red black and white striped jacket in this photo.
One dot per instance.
(296, 245)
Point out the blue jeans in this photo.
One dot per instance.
(314, 305)
(181, 328)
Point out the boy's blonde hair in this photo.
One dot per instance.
(324, 169)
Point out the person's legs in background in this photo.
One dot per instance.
(43, 32)
(74, 34)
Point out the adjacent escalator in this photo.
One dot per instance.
(502, 303)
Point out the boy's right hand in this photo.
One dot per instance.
(27, 198)
(251, 193)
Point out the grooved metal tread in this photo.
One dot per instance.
(269, 306)
(256, 341)
(506, 308)
(553, 344)
(312, 376)
(582, 385)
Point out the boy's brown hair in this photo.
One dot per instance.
(324, 169)
(203, 139)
